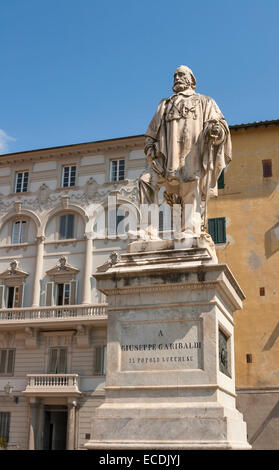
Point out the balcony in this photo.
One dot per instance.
(52, 385)
(56, 313)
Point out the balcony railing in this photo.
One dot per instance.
(54, 312)
(52, 384)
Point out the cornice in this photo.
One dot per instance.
(107, 145)
(74, 150)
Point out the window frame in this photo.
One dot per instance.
(118, 177)
(70, 166)
(101, 370)
(215, 232)
(22, 234)
(57, 360)
(67, 215)
(17, 289)
(6, 372)
(58, 284)
(267, 168)
(22, 183)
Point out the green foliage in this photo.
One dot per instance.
(3, 442)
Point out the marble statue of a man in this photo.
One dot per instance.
(187, 145)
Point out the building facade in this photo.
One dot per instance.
(53, 319)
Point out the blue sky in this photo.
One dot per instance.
(78, 71)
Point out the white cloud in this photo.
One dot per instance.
(4, 141)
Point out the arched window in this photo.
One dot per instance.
(19, 231)
(66, 226)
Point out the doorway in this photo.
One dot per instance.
(55, 427)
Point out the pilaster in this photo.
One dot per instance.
(38, 272)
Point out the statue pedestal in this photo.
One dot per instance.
(170, 354)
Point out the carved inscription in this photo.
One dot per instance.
(161, 346)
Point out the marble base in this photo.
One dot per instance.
(164, 426)
(170, 382)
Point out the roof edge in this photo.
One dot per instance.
(235, 127)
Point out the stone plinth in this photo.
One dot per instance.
(170, 354)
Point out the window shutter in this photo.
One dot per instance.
(3, 355)
(62, 367)
(221, 180)
(6, 293)
(2, 299)
(62, 226)
(99, 360)
(5, 425)
(73, 294)
(10, 364)
(104, 359)
(49, 293)
(52, 361)
(15, 232)
(211, 228)
(70, 226)
(221, 230)
(23, 229)
(217, 229)
(21, 295)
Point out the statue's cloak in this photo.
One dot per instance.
(180, 128)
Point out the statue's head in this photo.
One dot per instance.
(183, 79)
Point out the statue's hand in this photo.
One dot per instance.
(216, 132)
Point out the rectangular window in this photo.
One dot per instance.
(217, 229)
(57, 363)
(117, 170)
(267, 168)
(63, 294)
(7, 359)
(5, 419)
(69, 176)
(18, 232)
(249, 358)
(21, 182)
(221, 180)
(66, 226)
(14, 297)
(100, 360)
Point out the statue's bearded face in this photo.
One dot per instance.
(181, 81)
